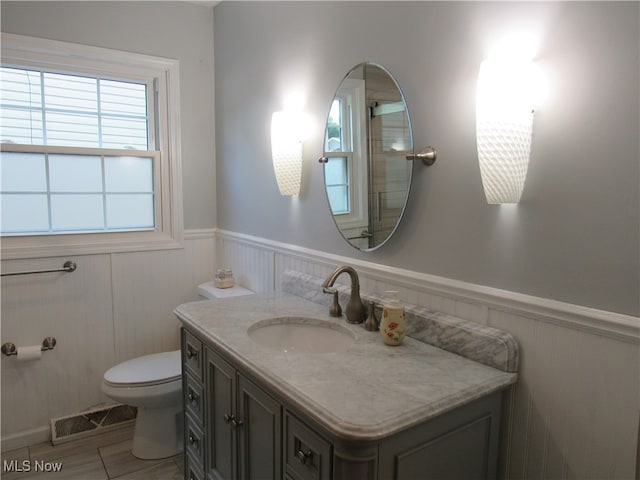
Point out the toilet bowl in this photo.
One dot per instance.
(153, 384)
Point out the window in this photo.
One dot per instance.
(46, 192)
(345, 171)
(89, 157)
(336, 176)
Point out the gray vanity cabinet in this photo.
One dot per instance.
(233, 429)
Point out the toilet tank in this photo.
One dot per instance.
(210, 291)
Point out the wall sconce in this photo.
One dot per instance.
(288, 132)
(506, 96)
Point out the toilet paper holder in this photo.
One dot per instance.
(10, 348)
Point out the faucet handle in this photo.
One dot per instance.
(335, 310)
(372, 323)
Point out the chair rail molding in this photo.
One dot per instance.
(610, 324)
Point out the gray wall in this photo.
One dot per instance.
(575, 235)
(176, 30)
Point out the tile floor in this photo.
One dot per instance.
(103, 457)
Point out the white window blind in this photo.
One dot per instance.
(88, 144)
(44, 108)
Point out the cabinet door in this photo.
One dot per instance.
(260, 433)
(459, 445)
(220, 393)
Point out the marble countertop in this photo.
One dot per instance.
(365, 393)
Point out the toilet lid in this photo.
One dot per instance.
(147, 370)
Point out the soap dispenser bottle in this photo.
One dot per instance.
(393, 325)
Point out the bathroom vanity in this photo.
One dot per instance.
(366, 411)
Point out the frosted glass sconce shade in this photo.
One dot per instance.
(504, 122)
(288, 132)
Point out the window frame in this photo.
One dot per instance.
(22, 51)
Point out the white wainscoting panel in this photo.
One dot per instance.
(76, 309)
(113, 307)
(147, 286)
(574, 411)
(251, 263)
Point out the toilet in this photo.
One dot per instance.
(153, 384)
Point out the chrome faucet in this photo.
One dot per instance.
(356, 310)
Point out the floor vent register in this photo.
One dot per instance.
(91, 422)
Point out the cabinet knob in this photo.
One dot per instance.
(193, 440)
(235, 422)
(192, 397)
(303, 457)
(232, 420)
(191, 353)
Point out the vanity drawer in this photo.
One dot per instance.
(192, 470)
(194, 398)
(307, 455)
(192, 354)
(194, 440)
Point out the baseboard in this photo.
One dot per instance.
(26, 438)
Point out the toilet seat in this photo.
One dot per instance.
(145, 371)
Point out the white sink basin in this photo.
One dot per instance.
(301, 335)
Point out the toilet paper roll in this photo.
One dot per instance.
(29, 353)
